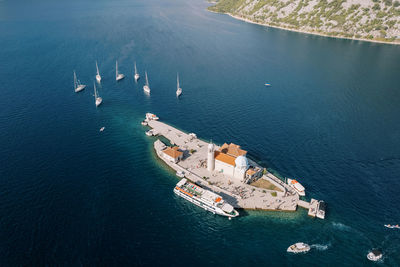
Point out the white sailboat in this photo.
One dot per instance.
(146, 87)
(137, 76)
(98, 99)
(98, 77)
(77, 84)
(118, 76)
(178, 88)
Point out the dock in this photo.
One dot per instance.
(238, 194)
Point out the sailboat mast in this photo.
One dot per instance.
(75, 82)
(147, 80)
(97, 68)
(177, 81)
(95, 91)
(135, 68)
(116, 69)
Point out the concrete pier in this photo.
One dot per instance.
(238, 194)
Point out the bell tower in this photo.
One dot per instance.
(210, 157)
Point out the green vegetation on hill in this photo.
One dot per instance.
(367, 19)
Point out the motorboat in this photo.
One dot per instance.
(151, 116)
(180, 174)
(296, 186)
(374, 255)
(392, 226)
(267, 84)
(299, 247)
(102, 129)
(144, 123)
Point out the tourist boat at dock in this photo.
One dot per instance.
(299, 247)
(374, 255)
(144, 123)
(296, 186)
(205, 199)
(151, 116)
(180, 174)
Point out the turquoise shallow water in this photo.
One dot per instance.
(72, 196)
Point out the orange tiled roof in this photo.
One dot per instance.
(225, 158)
(173, 152)
(251, 172)
(233, 150)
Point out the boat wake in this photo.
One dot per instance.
(341, 226)
(320, 247)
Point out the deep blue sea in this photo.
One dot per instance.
(71, 196)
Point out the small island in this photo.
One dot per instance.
(225, 170)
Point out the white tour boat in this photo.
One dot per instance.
(137, 76)
(296, 186)
(178, 88)
(146, 87)
(98, 99)
(77, 84)
(118, 76)
(151, 116)
(203, 198)
(374, 255)
(299, 248)
(98, 77)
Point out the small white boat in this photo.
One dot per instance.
(392, 226)
(180, 174)
(296, 186)
(137, 76)
(118, 76)
(178, 88)
(374, 255)
(299, 247)
(144, 123)
(98, 77)
(77, 84)
(267, 84)
(102, 129)
(150, 133)
(98, 99)
(146, 87)
(151, 116)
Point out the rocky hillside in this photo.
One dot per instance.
(366, 19)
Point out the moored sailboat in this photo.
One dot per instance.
(118, 76)
(178, 88)
(137, 76)
(98, 77)
(98, 100)
(146, 87)
(77, 84)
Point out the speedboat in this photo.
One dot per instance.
(374, 255)
(144, 123)
(151, 116)
(299, 247)
(149, 133)
(296, 186)
(392, 226)
(102, 129)
(267, 84)
(180, 174)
